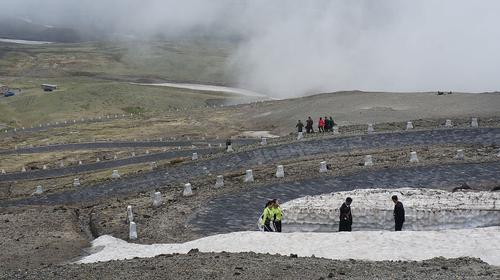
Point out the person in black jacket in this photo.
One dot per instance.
(299, 126)
(399, 213)
(345, 222)
(309, 125)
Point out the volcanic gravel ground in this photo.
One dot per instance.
(259, 266)
(266, 155)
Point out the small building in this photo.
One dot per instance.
(3, 89)
(49, 87)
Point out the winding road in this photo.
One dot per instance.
(148, 181)
(213, 218)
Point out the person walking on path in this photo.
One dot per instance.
(332, 123)
(399, 213)
(277, 215)
(309, 125)
(267, 217)
(299, 126)
(321, 125)
(345, 223)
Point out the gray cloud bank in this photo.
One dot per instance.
(294, 47)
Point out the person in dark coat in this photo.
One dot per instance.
(309, 125)
(399, 213)
(345, 223)
(299, 126)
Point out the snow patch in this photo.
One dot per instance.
(202, 87)
(481, 243)
(258, 134)
(372, 209)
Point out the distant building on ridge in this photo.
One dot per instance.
(49, 87)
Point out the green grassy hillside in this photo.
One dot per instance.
(94, 78)
(184, 61)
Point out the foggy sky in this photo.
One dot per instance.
(294, 47)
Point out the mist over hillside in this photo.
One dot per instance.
(291, 48)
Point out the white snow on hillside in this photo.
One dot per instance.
(372, 209)
(482, 243)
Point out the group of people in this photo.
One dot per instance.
(345, 223)
(272, 216)
(324, 125)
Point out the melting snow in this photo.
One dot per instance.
(481, 243)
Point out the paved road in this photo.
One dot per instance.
(214, 217)
(148, 181)
(122, 144)
(104, 164)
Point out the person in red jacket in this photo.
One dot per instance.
(321, 125)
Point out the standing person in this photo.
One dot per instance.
(345, 223)
(277, 215)
(309, 125)
(399, 213)
(299, 126)
(267, 217)
(328, 125)
(321, 125)
(332, 122)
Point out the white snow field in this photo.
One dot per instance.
(481, 243)
(372, 209)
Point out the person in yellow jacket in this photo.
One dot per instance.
(277, 215)
(267, 216)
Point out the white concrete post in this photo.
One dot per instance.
(157, 200)
(460, 154)
(248, 176)
(44, 167)
(336, 130)
(76, 182)
(409, 125)
(219, 181)
(230, 148)
(209, 145)
(132, 231)
(3, 171)
(147, 152)
(115, 157)
(133, 154)
(280, 172)
(368, 160)
(413, 157)
(322, 167)
(130, 214)
(38, 190)
(448, 123)
(474, 122)
(370, 129)
(115, 174)
(263, 141)
(98, 160)
(23, 169)
(195, 156)
(300, 136)
(80, 162)
(188, 190)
